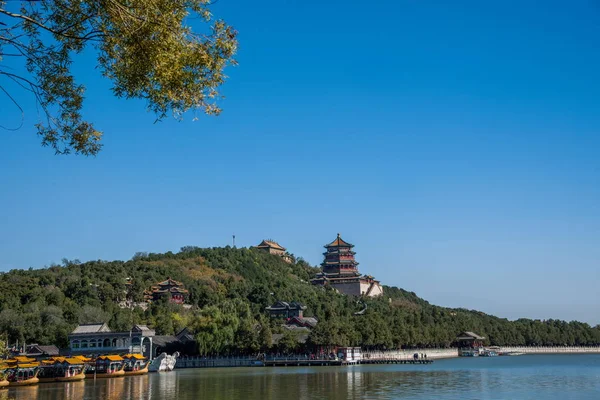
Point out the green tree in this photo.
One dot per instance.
(145, 48)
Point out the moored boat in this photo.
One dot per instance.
(164, 362)
(111, 366)
(23, 374)
(136, 364)
(62, 369)
(3, 381)
(489, 353)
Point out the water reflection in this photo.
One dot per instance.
(448, 380)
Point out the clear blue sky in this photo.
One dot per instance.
(457, 146)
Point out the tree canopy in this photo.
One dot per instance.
(229, 289)
(148, 49)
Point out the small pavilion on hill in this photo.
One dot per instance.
(283, 309)
(272, 247)
(169, 287)
(340, 271)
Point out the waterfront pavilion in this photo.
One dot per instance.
(88, 339)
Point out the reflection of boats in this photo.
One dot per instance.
(163, 362)
(136, 364)
(106, 367)
(513, 353)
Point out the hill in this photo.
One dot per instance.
(229, 290)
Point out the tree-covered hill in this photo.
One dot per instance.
(229, 290)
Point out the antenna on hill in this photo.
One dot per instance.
(233, 240)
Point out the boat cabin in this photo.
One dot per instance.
(109, 364)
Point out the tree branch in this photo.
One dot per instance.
(18, 106)
(47, 28)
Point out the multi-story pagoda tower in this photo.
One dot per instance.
(340, 271)
(339, 258)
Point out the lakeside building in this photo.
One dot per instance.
(272, 247)
(182, 342)
(469, 343)
(340, 271)
(175, 291)
(99, 339)
(34, 350)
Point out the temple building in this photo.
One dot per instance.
(340, 271)
(283, 309)
(170, 287)
(272, 247)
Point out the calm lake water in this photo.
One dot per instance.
(537, 377)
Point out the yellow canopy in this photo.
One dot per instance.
(136, 356)
(111, 358)
(24, 359)
(72, 361)
(28, 365)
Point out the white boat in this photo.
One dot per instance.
(163, 363)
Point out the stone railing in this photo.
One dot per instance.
(550, 349)
(431, 354)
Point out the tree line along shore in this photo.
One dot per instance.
(229, 290)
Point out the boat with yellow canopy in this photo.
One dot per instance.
(136, 364)
(22, 371)
(62, 369)
(110, 366)
(3, 381)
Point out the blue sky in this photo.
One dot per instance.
(455, 145)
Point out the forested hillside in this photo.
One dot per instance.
(229, 290)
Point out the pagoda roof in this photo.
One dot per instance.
(339, 242)
(169, 282)
(270, 244)
(170, 290)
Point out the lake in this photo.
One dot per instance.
(539, 377)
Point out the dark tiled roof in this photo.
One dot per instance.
(164, 340)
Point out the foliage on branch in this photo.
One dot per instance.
(147, 49)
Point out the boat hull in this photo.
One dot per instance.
(142, 371)
(25, 382)
(74, 378)
(112, 375)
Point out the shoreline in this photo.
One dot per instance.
(390, 355)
